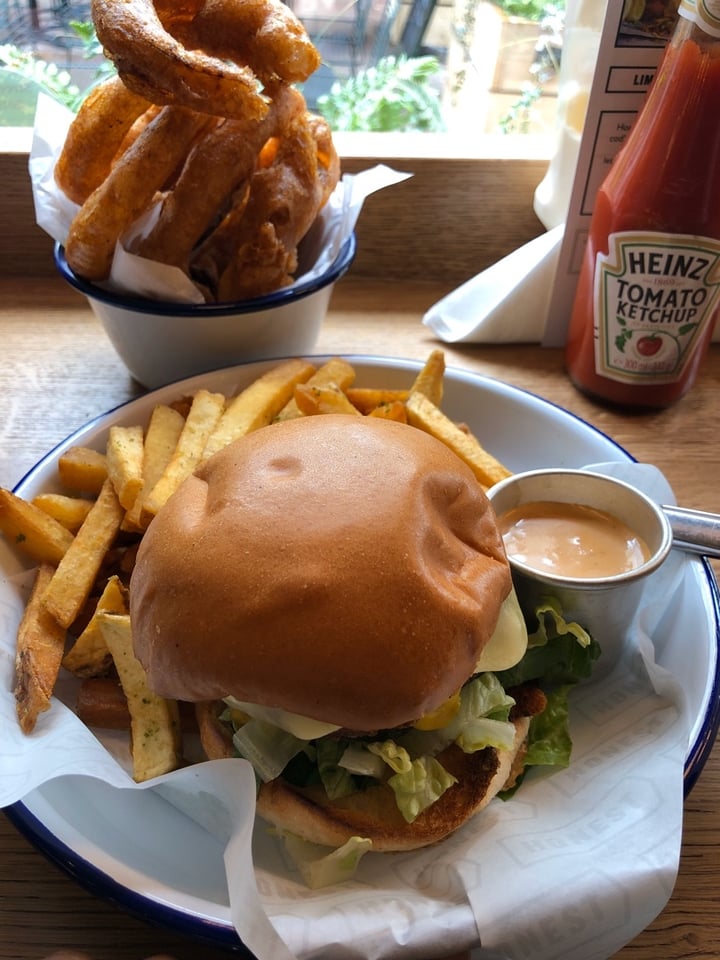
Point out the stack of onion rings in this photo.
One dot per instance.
(203, 126)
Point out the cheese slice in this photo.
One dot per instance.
(304, 728)
(509, 642)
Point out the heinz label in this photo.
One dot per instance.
(654, 295)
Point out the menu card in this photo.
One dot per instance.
(632, 43)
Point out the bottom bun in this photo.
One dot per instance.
(373, 814)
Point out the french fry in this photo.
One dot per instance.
(82, 469)
(366, 399)
(101, 702)
(40, 644)
(325, 398)
(154, 721)
(215, 737)
(424, 414)
(336, 370)
(89, 655)
(32, 530)
(430, 379)
(68, 511)
(161, 440)
(124, 456)
(258, 404)
(131, 481)
(394, 410)
(202, 419)
(75, 575)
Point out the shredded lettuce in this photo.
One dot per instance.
(268, 748)
(338, 781)
(419, 787)
(482, 720)
(396, 757)
(552, 624)
(484, 732)
(320, 868)
(559, 654)
(549, 741)
(359, 760)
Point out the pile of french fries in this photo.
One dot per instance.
(83, 541)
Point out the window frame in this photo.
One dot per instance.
(465, 206)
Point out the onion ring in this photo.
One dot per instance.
(264, 34)
(217, 166)
(155, 65)
(137, 128)
(286, 195)
(129, 189)
(94, 137)
(261, 265)
(328, 169)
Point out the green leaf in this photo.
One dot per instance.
(394, 94)
(549, 741)
(338, 781)
(320, 868)
(558, 652)
(419, 787)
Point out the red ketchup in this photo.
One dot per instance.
(649, 289)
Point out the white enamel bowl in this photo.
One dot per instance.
(162, 342)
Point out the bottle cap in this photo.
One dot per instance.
(703, 13)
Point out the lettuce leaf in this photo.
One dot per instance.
(268, 748)
(559, 652)
(321, 866)
(549, 741)
(338, 781)
(482, 720)
(484, 732)
(357, 759)
(551, 623)
(396, 757)
(419, 787)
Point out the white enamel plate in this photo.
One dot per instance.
(143, 867)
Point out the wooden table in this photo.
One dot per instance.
(57, 370)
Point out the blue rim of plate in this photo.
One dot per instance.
(299, 290)
(99, 884)
(215, 933)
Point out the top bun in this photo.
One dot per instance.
(348, 569)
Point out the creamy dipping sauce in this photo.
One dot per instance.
(571, 540)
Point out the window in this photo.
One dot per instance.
(490, 65)
(470, 199)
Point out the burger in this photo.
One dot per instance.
(333, 594)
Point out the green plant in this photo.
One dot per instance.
(525, 9)
(395, 94)
(518, 119)
(23, 74)
(546, 65)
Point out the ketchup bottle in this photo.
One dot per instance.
(649, 288)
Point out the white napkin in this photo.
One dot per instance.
(508, 302)
(595, 846)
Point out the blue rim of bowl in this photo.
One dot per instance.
(299, 290)
(213, 932)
